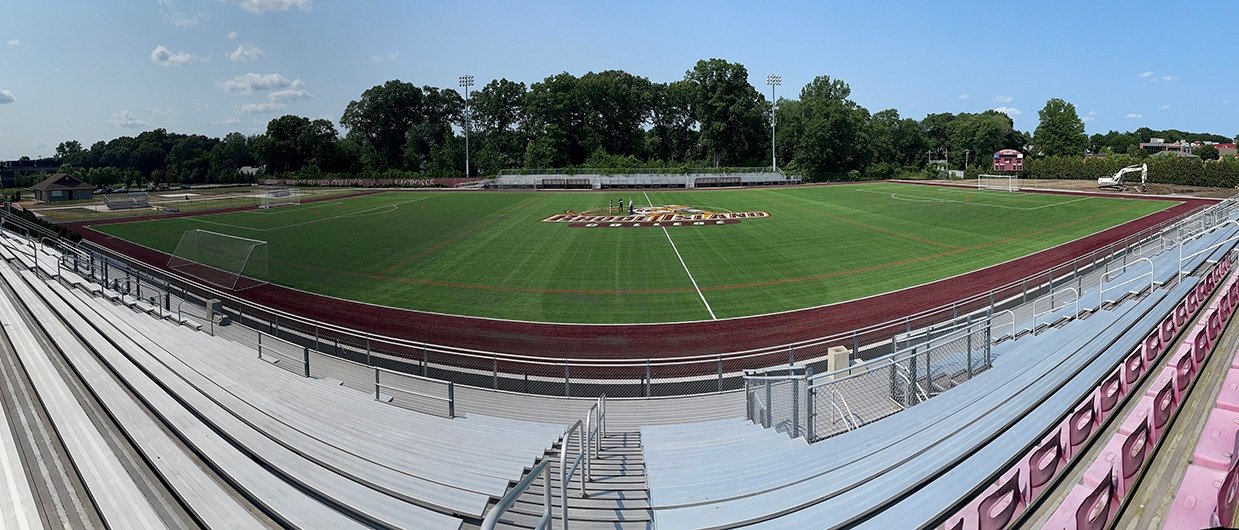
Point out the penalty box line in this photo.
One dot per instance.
(682, 264)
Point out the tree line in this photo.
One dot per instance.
(608, 119)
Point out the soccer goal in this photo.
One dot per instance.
(273, 196)
(998, 182)
(231, 262)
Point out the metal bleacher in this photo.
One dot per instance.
(910, 469)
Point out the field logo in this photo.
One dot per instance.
(651, 216)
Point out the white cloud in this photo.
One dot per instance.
(965, 95)
(68, 119)
(252, 82)
(245, 53)
(1168, 78)
(1002, 99)
(261, 108)
(126, 120)
(295, 92)
(1133, 116)
(1164, 107)
(226, 121)
(263, 6)
(13, 43)
(1146, 74)
(178, 18)
(388, 57)
(1009, 111)
(56, 69)
(202, 106)
(232, 35)
(160, 112)
(1092, 115)
(164, 57)
(6, 97)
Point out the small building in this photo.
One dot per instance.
(1160, 145)
(62, 187)
(1008, 160)
(1226, 149)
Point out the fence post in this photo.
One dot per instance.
(376, 384)
(748, 400)
(989, 344)
(810, 413)
(259, 344)
(451, 401)
(567, 379)
(795, 408)
(368, 363)
(855, 344)
(647, 377)
(720, 373)
(305, 359)
(424, 363)
(494, 371)
(769, 395)
(1024, 297)
(969, 356)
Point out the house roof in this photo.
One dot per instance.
(61, 181)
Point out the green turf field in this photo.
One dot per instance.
(488, 254)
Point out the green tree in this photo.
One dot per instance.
(398, 123)
(672, 136)
(69, 152)
(1060, 131)
(497, 113)
(555, 121)
(1207, 152)
(730, 111)
(833, 139)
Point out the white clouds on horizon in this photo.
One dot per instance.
(388, 57)
(6, 97)
(252, 82)
(1092, 115)
(164, 57)
(295, 92)
(1133, 116)
(261, 108)
(965, 95)
(226, 121)
(178, 18)
(1002, 99)
(1164, 107)
(160, 112)
(13, 43)
(232, 35)
(126, 120)
(259, 7)
(1009, 111)
(1148, 74)
(246, 52)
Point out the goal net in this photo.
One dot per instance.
(231, 262)
(272, 196)
(998, 182)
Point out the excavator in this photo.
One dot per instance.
(1116, 181)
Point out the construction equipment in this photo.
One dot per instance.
(1117, 181)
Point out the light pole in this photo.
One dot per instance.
(466, 81)
(773, 80)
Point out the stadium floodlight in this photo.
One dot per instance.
(466, 81)
(773, 80)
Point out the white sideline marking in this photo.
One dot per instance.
(921, 198)
(682, 264)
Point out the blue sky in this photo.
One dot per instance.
(93, 70)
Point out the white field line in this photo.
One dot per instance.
(922, 198)
(358, 213)
(682, 264)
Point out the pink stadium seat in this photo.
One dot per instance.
(995, 508)
(1216, 446)
(1043, 463)
(1085, 508)
(1124, 454)
(1228, 497)
(1157, 340)
(1185, 369)
(1138, 416)
(1228, 395)
(1080, 425)
(1196, 500)
(1108, 394)
(1165, 402)
(1163, 377)
(1133, 368)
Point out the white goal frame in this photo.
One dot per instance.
(275, 196)
(231, 262)
(999, 182)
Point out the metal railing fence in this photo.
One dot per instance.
(636, 378)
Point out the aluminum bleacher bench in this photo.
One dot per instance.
(19, 507)
(264, 468)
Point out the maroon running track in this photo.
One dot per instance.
(640, 341)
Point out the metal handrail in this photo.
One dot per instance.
(1051, 297)
(850, 419)
(506, 502)
(1008, 311)
(903, 372)
(1101, 286)
(1183, 258)
(565, 474)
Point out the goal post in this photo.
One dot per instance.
(999, 182)
(274, 196)
(232, 262)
